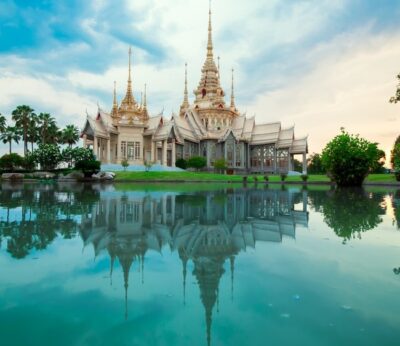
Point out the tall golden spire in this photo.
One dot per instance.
(145, 96)
(114, 110)
(233, 107)
(210, 54)
(129, 101)
(185, 104)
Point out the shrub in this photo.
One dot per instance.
(148, 165)
(304, 177)
(47, 155)
(181, 163)
(125, 164)
(11, 161)
(29, 162)
(283, 176)
(88, 168)
(266, 178)
(349, 158)
(245, 178)
(220, 165)
(74, 155)
(255, 179)
(197, 162)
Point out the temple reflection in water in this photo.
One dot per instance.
(208, 228)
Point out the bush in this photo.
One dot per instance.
(29, 162)
(283, 176)
(220, 165)
(266, 178)
(124, 164)
(148, 165)
(304, 177)
(88, 168)
(75, 155)
(348, 159)
(181, 163)
(11, 161)
(47, 155)
(197, 162)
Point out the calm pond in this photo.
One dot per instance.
(198, 265)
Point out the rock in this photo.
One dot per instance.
(104, 176)
(43, 175)
(12, 176)
(73, 176)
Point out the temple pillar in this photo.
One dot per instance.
(289, 161)
(84, 138)
(152, 152)
(173, 154)
(275, 160)
(164, 153)
(248, 156)
(304, 163)
(108, 151)
(208, 155)
(95, 147)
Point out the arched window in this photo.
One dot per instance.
(204, 92)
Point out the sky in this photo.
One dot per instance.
(317, 64)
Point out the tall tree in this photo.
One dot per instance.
(3, 123)
(70, 135)
(11, 134)
(22, 116)
(33, 131)
(48, 128)
(396, 98)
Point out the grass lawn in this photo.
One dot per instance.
(202, 176)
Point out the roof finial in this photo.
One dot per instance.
(186, 97)
(209, 43)
(219, 69)
(233, 107)
(114, 111)
(145, 96)
(130, 56)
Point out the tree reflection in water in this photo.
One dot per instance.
(350, 211)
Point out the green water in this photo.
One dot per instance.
(198, 265)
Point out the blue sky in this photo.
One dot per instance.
(312, 63)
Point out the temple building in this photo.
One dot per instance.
(208, 127)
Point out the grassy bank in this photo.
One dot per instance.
(212, 177)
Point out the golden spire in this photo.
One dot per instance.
(219, 69)
(185, 104)
(129, 101)
(209, 43)
(145, 96)
(233, 107)
(114, 110)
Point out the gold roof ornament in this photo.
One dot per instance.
(233, 107)
(114, 110)
(185, 104)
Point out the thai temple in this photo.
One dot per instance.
(210, 230)
(210, 126)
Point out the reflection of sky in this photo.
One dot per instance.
(310, 290)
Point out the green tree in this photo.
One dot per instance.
(70, 135)
(197, 162)
(315, 164)
(395, 152)
(396, 98)
(181, 163)
(22, 117)
(3, 123)
(220, 165)
(47, 155)
(348, 159)
(33, 132)
(11, 134)
(11, 161)
(47, 128)
(377, 166)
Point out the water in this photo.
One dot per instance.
(166, 265)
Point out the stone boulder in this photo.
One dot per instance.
(12, 176)
(43, 175)
(104, 176)
(73, 176)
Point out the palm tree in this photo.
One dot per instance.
(47, 128)
(33, 131)
(3, 123)
(11, 134)
(70, 135)
(22, 115)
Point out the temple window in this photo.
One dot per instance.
(204, 92)
(123, 149)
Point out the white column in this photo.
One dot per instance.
(164, 152)
(152, 157)
(304, 163)
(95, 147)
(119, 154)
(108, 151)
(173, 154)
(84, 141)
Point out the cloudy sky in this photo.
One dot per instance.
(318, 64)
